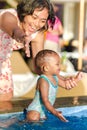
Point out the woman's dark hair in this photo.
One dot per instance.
(27, 7)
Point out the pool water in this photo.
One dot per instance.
(77, 117)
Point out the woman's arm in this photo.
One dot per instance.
(37, 44)
(9, 24)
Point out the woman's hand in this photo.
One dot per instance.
(18, 35)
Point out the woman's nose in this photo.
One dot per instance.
(37, 22)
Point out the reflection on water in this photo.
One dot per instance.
(6, 105)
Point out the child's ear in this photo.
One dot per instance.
(44, 68)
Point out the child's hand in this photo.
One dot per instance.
(71, 82)
(79, 76)
(60, 116)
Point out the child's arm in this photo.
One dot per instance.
(44, 90)
(71, 81)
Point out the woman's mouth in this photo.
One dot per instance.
(32, 29)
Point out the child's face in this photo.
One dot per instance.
(54, 65)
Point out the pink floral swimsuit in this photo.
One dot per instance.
(7, 45)
(5, 65)
(50, 36)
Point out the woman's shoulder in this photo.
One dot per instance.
(8, 20)
(12, 11)
(38, 36)
(8, 14)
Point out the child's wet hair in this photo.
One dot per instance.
(42, 55)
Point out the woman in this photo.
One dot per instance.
(54, 32)
(17, 30)
(52, 40)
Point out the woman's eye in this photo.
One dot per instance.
(58, 64)
(43, 21)
(34, 17)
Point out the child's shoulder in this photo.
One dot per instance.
(42, 76)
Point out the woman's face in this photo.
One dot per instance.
(36, 21)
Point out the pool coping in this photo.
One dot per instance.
(18, 104)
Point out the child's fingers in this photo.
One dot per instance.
(62, 118)
(79, 76)
(73, 82)
(70, 83)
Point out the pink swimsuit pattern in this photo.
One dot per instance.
(7, 45)
(50, 36)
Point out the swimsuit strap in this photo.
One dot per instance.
(46, 78)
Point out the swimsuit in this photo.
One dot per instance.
(7, 45)
(37, 104)
(51, 39)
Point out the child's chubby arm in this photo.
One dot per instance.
(44, 90)
(70, 82)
